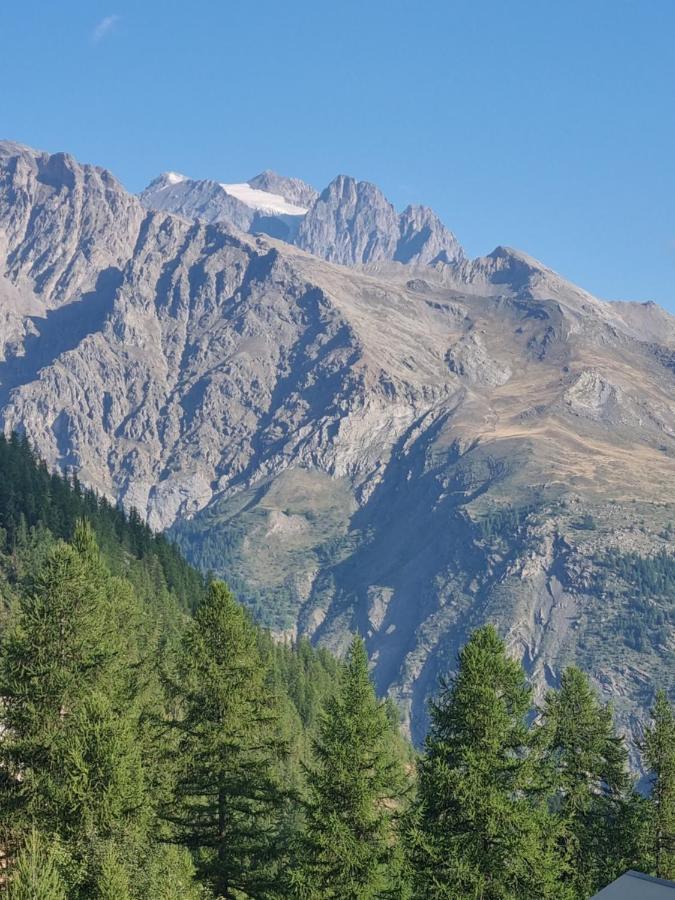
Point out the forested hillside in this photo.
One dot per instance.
(155, 744)
(32, 497)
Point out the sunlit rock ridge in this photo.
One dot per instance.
(330, 405)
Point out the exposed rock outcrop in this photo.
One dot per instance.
(409, 454)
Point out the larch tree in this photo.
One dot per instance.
(356, 786)
(69, 744)
(227, 802)
(586, 762)
(36, 873)
(481, 828)
(658, 748)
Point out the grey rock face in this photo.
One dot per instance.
(350, 223)
(424, 239)
(209, 201)
(353, 223)
(348, 442)
(54, 213)
(202, 200)
(292, 189)
(66, 231)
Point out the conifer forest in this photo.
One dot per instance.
(155, 744)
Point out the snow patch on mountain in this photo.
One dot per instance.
(263, 200)
(174, 178)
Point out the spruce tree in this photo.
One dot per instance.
(355, 785)
(70, 744)
(111, 879)
(480, 829)
(51, 662)
(586, 762)
(227, 802)
(658, 748)
(35, 874)
(168, 873)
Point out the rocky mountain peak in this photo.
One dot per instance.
(351, 222)
(165, 180)
(402, 455)
(14, 149)
(291, 189)
(424, 239)
(54, 212)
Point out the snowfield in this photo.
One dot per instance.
(262, 200)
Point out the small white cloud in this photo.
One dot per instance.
(103, 28)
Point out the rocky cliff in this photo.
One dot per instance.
(407, 448)
(351, 222)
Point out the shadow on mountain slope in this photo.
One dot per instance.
(61, 330)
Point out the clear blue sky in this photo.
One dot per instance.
(548, 126)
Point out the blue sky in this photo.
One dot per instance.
(548, 126)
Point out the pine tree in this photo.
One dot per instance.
(227, 803)
(658, 747)
(51, 661)
(168, 873)
(112, 877)
(480, 829)
(587, 765)
(36, 875)
(70, 746)
(356, 785)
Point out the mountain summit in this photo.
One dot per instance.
(351, 222)
(357, 426)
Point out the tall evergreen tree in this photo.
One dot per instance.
(51, 662)
(356, 785)
(83, 716)
(480, 829)
(167, 873)
(587, 765)
(227, 801)
(111, 879)
(69, 746)
(658, 748)
(36, 875)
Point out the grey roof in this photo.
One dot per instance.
(636, 886)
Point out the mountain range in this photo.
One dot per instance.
(351, 222)
(328, 403)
